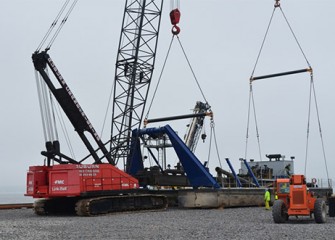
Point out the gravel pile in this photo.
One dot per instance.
(230, 223)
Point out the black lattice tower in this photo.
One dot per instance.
(134, 69)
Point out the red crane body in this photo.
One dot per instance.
(66, 185)
(75, 179)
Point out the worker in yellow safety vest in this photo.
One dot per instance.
(267, 198)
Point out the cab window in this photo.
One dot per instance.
(284, 187)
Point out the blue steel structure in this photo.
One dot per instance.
(197, 174)
(234, 173)
(251, 173)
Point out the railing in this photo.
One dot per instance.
(321, 182)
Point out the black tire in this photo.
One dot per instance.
(279, 211)
(320, 211)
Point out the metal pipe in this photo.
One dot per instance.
(281, 74)
(146, 121)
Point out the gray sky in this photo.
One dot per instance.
(222, 40)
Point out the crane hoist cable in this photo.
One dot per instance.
(175, 16)
(47, 106)
(55, 22)
(65, 131)
(41, 104)
(62, 24)
(49, 110)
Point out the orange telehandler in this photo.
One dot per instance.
(295, 199)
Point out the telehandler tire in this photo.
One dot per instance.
(320, 211)
(279, 211)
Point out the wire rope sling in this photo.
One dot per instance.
(312, 92)
(175, 16)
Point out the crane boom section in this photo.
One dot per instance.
(69, 104)
(134, 69)
(195, 126)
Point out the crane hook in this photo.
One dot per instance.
(277, 4)
(175, 30)
(175, 18)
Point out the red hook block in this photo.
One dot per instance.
(175, 16)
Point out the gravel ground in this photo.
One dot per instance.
(230, 223)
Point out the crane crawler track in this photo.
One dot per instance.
(100, 205)
(55, 206)
(122, 203)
